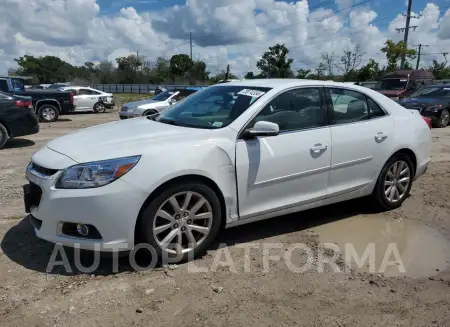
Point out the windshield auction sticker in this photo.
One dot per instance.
(251, 93)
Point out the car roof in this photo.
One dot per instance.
(286, 82)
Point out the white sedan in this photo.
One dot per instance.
(209, 163)
(89, 99)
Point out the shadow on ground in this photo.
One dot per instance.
(18, 143)
(22, 246)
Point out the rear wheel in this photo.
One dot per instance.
(48, 113)
(149, 112)
(99, 107)
(3, 136)
(394, 182)
(182, 221)
(444, 119)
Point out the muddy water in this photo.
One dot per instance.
(393, 247)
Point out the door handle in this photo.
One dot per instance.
(318, 147)
(380, 136)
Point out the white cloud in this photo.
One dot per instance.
(223, 31)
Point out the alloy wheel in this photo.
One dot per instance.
(397, 181)
(182, 222)
(445, 118)
(100, 107)
(48, 114)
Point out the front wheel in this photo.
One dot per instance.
(394, 183)
(3, 136)
(48, 113)
(182, 221)
(149, 112)
(443, 119)
(99, 107)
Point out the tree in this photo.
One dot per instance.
(349, 62)
(198, 72)
(221, 76)
(394, 52)
(106, 72)
(440, 70)
(274, 62)
(369, 72)
(46, 69)
(328, 63)
(127, 69)
(249, 75)
(180, 64)
(302, 73)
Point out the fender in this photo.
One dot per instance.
(36, 106)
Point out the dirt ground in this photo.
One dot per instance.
(253, 292)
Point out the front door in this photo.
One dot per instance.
(86, 99)
(362, 135)
(292, 168)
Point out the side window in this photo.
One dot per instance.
(348, 106)
(4, 85)
(85, 92)
(73, 91)
(374, 109)
(295, 110)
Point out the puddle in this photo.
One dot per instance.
(391, 245)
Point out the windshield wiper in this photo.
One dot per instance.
(171, 122)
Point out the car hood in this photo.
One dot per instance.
(121, 139)
(420, 102)
(141, 103)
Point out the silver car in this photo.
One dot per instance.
(89, 99)
(156, 104)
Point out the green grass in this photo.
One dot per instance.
(122, 98)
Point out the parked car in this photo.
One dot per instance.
(173, 181)
(402, 83)
(156, 104)
(48, 104)
(432, 102)
(88, 99)
(17, 117)
(56, 86)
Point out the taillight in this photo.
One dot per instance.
(71, 97)
(428, 121)
(24, 104)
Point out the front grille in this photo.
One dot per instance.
(124, 109)
(43, 171)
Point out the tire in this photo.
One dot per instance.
(149, 220)
(99, 107)
(48, 113)
(149, 112)
(443, 120)
(3, 136)
(380, 196)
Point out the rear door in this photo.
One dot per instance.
(362, 135)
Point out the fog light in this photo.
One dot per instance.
(82, 229)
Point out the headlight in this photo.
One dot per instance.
(435, 108)
(95, 174)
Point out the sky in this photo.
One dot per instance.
(234, 32)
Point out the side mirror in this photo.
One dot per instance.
(172, 101)
(262, 128)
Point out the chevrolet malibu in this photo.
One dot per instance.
(173, 181)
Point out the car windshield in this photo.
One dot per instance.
(391, 84)
(163, 96)
(432, 92)
(212, 107)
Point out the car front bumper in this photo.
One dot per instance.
(126, 115)
(112, 210)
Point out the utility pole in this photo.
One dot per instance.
(406, 30)
(227, 73)
(190, 42)
(419, 53)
